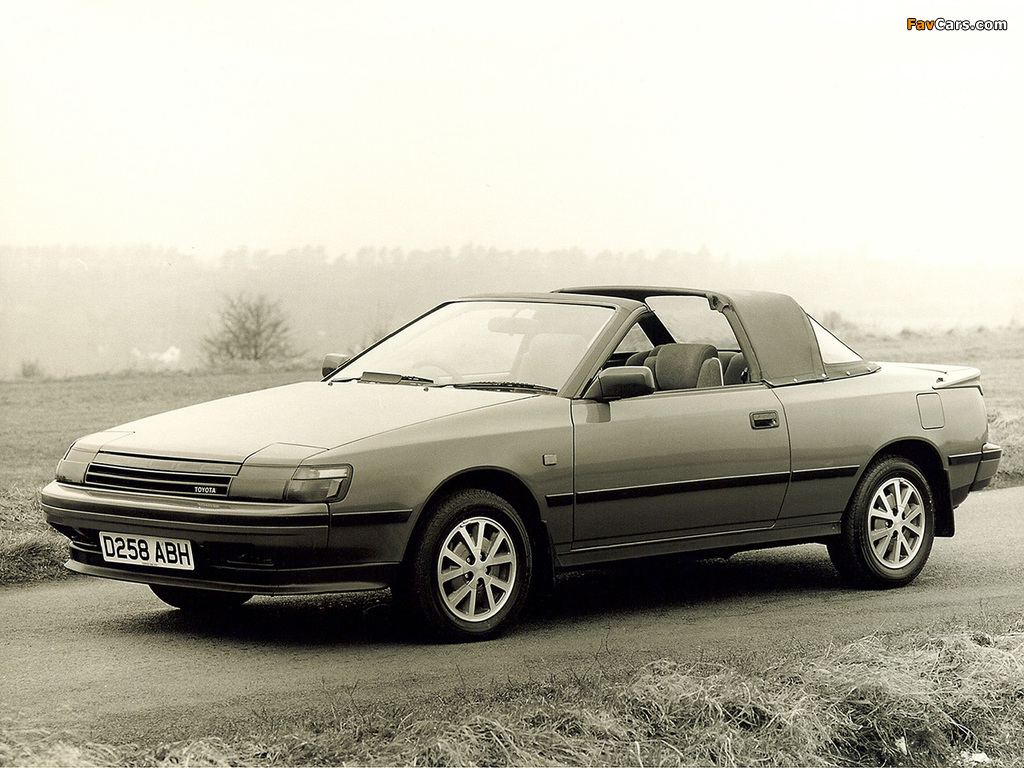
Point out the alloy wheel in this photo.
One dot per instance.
(476, 569)
(896, 523)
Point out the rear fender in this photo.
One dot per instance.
(927, 458)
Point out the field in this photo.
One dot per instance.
(947, 697)
(42, 417)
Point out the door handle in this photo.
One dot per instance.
(764, 420)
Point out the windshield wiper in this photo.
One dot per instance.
(393, 378)
(377, 377)
(503, 385)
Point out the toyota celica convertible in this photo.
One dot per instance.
(494, 441)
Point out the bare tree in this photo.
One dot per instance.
(251, 328)
(379, 325)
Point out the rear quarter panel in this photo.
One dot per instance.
(966, 430)
(847, 422)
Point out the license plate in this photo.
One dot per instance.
(147, 550)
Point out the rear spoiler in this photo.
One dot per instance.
(959, 376)
(948, 376)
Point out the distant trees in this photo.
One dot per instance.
(252, 328)
(378, 325)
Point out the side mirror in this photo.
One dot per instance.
(623, 381)
(333, 362)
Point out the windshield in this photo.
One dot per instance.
(486, 343)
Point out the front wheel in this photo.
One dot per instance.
(888, 527)
(198, 600)
(469, 571)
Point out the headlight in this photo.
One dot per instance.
(315, 484)
(58, 474)
(71, 469)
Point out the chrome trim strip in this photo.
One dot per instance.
(965, 458)
(559, 499)
(825, 473)
(682, 486)
(692, 486)
(375, 517)
(668, 540)
(210, 521)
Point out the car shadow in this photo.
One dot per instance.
(676, 582)
(309, 620)
(622, 588)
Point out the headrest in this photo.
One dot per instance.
(677, 366)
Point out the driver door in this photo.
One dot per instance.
(678, 464)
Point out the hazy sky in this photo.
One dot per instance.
(756, 129)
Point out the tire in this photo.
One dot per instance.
(469, 571)
(199, 600)
(888, 527)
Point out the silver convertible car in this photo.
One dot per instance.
(470, 455)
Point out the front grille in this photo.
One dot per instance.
(157, 475)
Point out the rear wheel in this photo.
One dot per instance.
(469, 572)
(198, 600)
(888, 527)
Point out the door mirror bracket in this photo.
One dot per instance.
(333, 362)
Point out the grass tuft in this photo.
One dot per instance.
(30, 748)
(1006, 429)
(30, 551)
(898, 700)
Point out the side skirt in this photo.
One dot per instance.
(790, 531)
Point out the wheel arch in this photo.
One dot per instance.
(511, 488)
(927, 458)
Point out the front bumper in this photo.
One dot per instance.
(254, 547)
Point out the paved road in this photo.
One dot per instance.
(111, 663)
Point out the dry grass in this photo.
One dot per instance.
(30, 550)
(1006, 429)
(898, 700)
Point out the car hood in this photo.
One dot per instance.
(288, 420)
